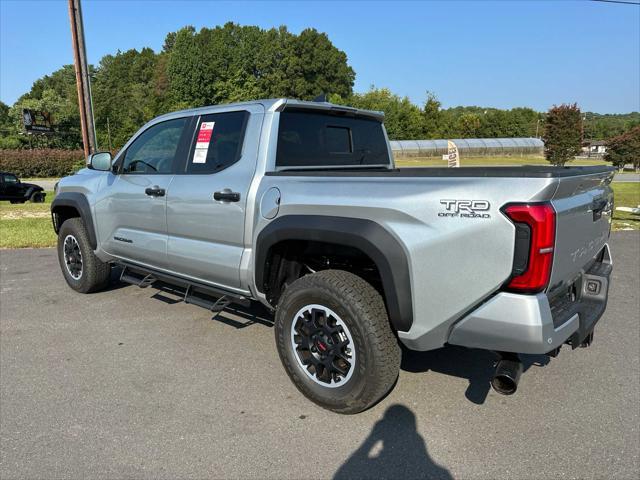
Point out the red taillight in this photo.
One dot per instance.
(541, 219)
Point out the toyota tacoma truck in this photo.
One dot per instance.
(298, 205)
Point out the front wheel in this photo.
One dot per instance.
(335, 341)
(83, 271)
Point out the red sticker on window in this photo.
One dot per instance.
(202, 143)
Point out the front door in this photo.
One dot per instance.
(132, 205)
(207, 201)
(10, 187)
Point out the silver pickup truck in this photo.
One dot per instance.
(298, 205)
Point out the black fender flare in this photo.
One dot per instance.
(81, 204)
(366, 235)
(28, 192)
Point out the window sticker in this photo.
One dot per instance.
(202, 143)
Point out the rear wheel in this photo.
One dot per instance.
(335, 341)
(83, 271)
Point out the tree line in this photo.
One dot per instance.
(232, 63)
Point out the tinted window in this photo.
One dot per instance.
(307, 139)
(218, 142)
(154, 150)
(11, 179)
(338, 140)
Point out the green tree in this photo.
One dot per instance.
(233, 63)
(432, 116)
(403, 120)
(603, 126)
(8, 134)
(624, 149)
(562, 134)
(56, 94)
(124, 92)
(469, 125)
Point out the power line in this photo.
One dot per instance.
(621, 2)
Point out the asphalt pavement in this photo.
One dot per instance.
(134, 383)
(627, 178)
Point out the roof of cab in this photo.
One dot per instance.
(279, 104)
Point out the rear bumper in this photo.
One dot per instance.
(535, 324)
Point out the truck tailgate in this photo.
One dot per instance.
(583, 206)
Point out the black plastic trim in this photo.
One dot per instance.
(81, 204)
(365, 235)
(525, 171)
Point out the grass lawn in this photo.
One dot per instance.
(26, 232)
(626, 195)
(26, 224)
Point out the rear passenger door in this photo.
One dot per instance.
(207, 201)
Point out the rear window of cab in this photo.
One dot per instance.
(311, 139)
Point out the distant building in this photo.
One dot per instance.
(594, 148)
(483, 147)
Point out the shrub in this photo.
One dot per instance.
(562, 134)
(624, 149)
(44, 162)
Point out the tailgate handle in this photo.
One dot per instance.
(597, 206)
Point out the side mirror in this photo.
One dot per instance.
(100, 161)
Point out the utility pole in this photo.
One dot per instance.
(109, 135)
(83, 84)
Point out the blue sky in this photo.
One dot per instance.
(499, 53)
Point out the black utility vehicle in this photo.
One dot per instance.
(12, 189)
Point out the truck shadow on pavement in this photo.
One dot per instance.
(236, 316)
(393, 449)
(477, 366)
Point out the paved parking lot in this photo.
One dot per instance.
(132, 383)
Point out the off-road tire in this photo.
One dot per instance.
(362, 309)
(95, 273)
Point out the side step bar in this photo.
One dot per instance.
(211, 298)
(142, 281)
(190, 296)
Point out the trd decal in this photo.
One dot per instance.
(465, 208)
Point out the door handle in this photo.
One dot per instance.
(227, 196)
(154, 191)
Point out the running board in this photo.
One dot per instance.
(139, 280)
(215, 305)
(211, 298)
